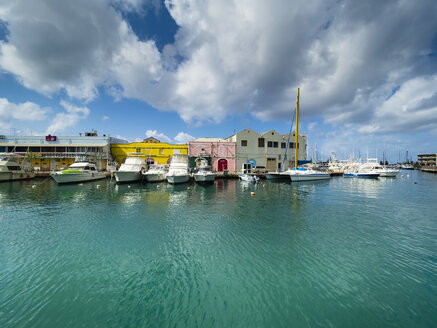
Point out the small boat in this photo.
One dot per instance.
(80, 171)
(407, 167)
(178, 171)
(204, 173)
(11, 170)
(130, 170)
(156, 173)
(249, 178)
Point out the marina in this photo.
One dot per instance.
(339, 252)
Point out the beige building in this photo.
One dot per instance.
(267, 149)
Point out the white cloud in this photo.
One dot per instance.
(27, 111)
(70, 118)
(183, 138)
(105, 118)
(160, 136)
(232, 56)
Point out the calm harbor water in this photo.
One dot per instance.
(340, 253)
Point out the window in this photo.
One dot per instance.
(291, 145)
(138, 150)
(243, 143)
(297, 145)
(270, 144)
(275, 144)
(283, 145)
(261, 142)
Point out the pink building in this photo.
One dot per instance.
(221, 152)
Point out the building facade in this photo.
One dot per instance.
(219, 152)
(427, 159)
(48, 153)
(153, 153)
(267, 149)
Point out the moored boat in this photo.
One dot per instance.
(80, 171)
(11, 170)
(249, 178)
(178, 171)
(130, 170)
(156, 173)
(204, 173)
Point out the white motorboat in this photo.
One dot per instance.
(302, 174)
(130, 170)
(11, 170)
(358, 170)
(80, 171)
(178, 171)
(372, 165)
(204, 173)
(249, 178)
(407, 167)
(156, 173)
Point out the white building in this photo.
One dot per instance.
(267, 149)
(48, 153)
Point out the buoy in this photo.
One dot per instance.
(34, 186)
(80, 184)
(252, 193)
(408, 175)
(98, 186)
(157, 186)
(128, 186)
(188, 188)
(402, 176)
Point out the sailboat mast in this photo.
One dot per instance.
(297, 130)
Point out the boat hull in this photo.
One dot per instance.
(362, 175)
(77, 177)
(155, 177)
(204, 177)
(174, 179)
(127, 176)
(309, 177)
(276, 176)
(12, 176)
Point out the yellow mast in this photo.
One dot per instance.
(297, 130)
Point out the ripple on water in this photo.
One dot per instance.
(345, 253)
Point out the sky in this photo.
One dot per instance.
(179, 70)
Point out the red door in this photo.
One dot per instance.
(222, 165)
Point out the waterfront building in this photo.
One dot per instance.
(219, 153)
(267, 149)
(427, 159)
(152, 152)
(49, 153)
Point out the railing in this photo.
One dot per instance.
(49, 155)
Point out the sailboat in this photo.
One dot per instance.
(303, 174)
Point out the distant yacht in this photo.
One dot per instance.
(11, 170)
(80, 171)
(178, 171)
(131, 169)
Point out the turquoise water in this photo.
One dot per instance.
(339, 253)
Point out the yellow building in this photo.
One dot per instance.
(158, 153)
